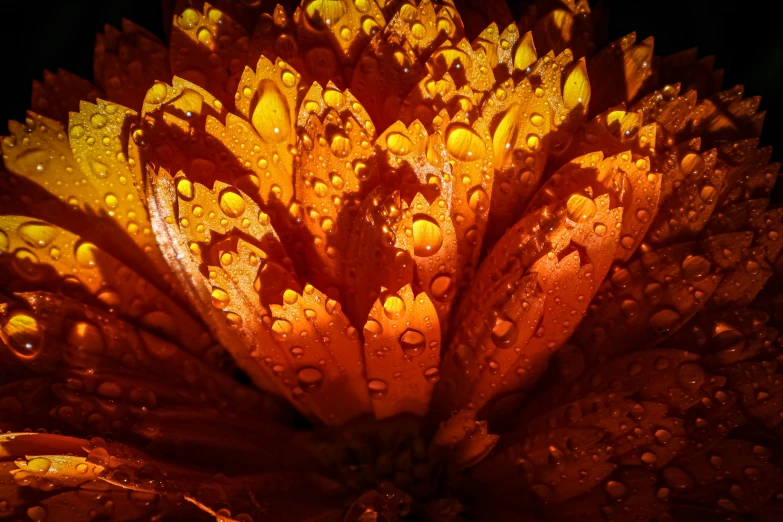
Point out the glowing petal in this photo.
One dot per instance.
(402, 352)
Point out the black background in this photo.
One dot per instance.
(745, 37)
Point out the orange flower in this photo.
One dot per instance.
(347, 264)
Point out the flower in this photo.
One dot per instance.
(349, 265)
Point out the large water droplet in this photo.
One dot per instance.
(185, 189)
(377, 388)
(463, 143)
(504, 334)
(432, 375)
(478, 201)
(86, 254)
(86, 337)
(413, 342)
(692, 164)
(310, 379)
(325, 13)
(282, 329)
(399, 144)
(220, 298)
(271, 116)
(663, 321)
(23, 335)
(37, 234)
(231, 203)
(678, 479)
(440, 287)
(373, 328)
(393, 306)
(690, 375)
(580, 208)
(695, 268)
(427, 236)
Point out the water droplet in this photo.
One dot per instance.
(86, 337)
(85, 254)
(38, 234)
(377, 388)
(536, 119)
(393, 306)
(663, 436)
(663, 321)
(288, 78)
(185, 189)
(463, 143)
(398, 144)
(427, 236)
(324, 13)
(695, 268)
(188, 19)
(373, 327)
(580, 208)
(478, 201)
(320, 188)
(231, 203)
(690, 375)
(310, 379)
(691, 164)
(111, 200)
(271, 116)
(418, 30)
(98, 120)
(282, 329)
(432, 375)
(37, 513)
(615, 489)
(413, 342)
(440, 287)
(504, 334)
(205, 36)
(708, 193)
(220, 298)
(340, 144)
(23, 335)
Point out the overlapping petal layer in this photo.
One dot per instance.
(341, 254)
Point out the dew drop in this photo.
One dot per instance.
(393, 306)
(377, 388)
(663, 321)
(690, 375)
(373, 327)
(432, 375)
(23, 335)
(85, 254)
(463, 143)
(413, 342)
(427, 236)
(86, 337)
(231, 203)
(398, 144)
(504, 334)
(310, 379)
(440, 287)
(580, 208)
(220, 299)
(38, 234)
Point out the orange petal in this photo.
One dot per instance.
(60, 93)
(402, 352)
(208, 48)
(46, 257)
